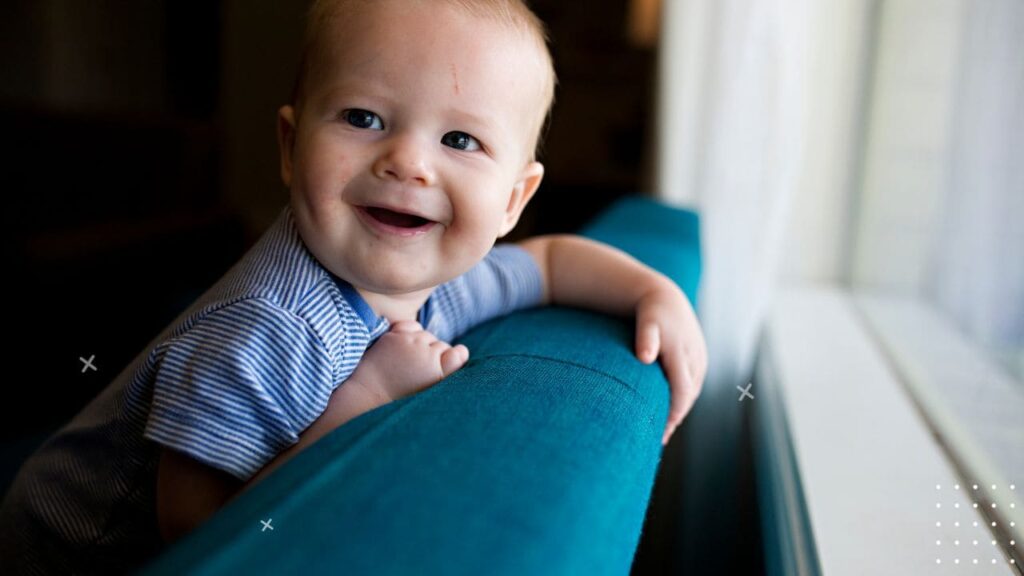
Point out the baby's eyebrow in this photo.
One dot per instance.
(342, 91)
(475, 121)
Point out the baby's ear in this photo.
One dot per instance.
(523, 190)
(286, 141)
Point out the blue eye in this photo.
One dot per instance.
(460, 141)
(362, 119)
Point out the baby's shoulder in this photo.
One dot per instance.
(277, 276)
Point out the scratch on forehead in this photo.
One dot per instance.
(455, 78)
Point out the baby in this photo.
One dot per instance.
(408, 151)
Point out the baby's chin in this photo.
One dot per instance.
(393, 286)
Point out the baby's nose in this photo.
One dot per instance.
(405, 160)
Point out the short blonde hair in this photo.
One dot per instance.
(514, 13)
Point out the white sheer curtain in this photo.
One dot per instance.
(977, 263)
(875, 143)
(730, 144)
(730, 126)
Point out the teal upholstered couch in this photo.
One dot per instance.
(537, 457)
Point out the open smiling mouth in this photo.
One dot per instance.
(396, 219)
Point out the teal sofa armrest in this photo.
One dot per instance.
(537, 457)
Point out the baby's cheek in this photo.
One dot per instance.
(489, 221)
(467, 246)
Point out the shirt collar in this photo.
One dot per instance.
(376, 325)
(356, 301)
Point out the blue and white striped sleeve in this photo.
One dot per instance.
(239, 387)
(506, 280)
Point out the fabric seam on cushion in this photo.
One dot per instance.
(559, 361)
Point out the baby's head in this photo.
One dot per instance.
(410, 145)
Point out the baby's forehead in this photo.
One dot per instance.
(334, 30)
(341, 44)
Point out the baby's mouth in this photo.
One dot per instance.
(397, 219)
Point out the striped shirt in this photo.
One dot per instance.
(231, 382)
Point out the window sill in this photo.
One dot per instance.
(863, 464)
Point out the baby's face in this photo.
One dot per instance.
(413, 151)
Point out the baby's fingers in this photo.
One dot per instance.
(648, 341)
(454, 358)
(681, 382)
(406, 326)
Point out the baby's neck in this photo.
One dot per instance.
(396, 307)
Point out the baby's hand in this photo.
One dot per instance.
(403, 361)
(406, 360)
(666, 327)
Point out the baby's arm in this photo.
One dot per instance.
(403, 361)
(588, 274)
